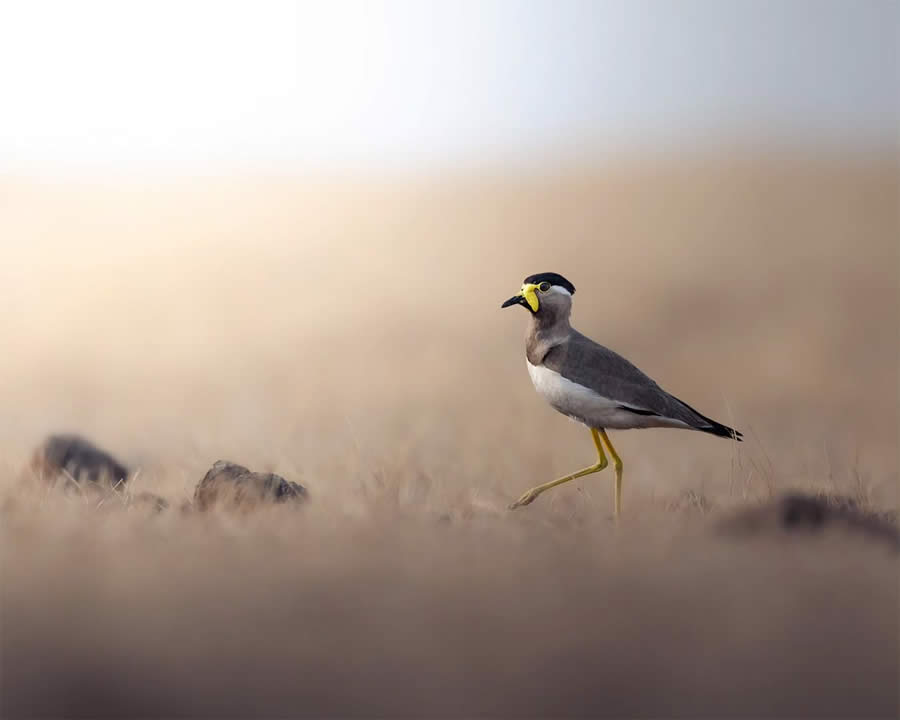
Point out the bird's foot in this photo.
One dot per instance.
(526, 499)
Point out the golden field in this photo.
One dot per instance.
(347, 334)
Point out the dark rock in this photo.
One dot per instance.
(235, 486)
(71, 457)
(801, 514)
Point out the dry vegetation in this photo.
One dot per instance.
(348, 336)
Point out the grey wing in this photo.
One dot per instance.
(610, 375)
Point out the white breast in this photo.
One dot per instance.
(589, 407)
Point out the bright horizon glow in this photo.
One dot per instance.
(98, 85)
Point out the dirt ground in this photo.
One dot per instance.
(347, 335)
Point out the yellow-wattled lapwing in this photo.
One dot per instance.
(590, 383)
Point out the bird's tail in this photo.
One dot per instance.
(720, 430)
(713, 427)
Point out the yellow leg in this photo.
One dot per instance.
(617, 463)
(529, 497)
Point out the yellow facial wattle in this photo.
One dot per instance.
(530, 295)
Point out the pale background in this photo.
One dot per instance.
(280, 233)
(211, 86)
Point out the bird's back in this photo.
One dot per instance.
(592, 365)
(611, 376)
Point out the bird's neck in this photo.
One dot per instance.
(550, 321)
(545, 330)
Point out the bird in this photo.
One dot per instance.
(592, 384)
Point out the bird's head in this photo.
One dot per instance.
(544, 294)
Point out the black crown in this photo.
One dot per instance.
(553, 279)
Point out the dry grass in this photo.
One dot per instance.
(348, 336)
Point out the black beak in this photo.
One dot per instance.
(515, 300)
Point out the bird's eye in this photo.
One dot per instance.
(544, 287)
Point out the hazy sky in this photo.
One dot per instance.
(202, 83)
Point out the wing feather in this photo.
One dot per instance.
(607, 373)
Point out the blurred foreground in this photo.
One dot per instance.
(348, 337)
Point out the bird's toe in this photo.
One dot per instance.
(526, 499)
